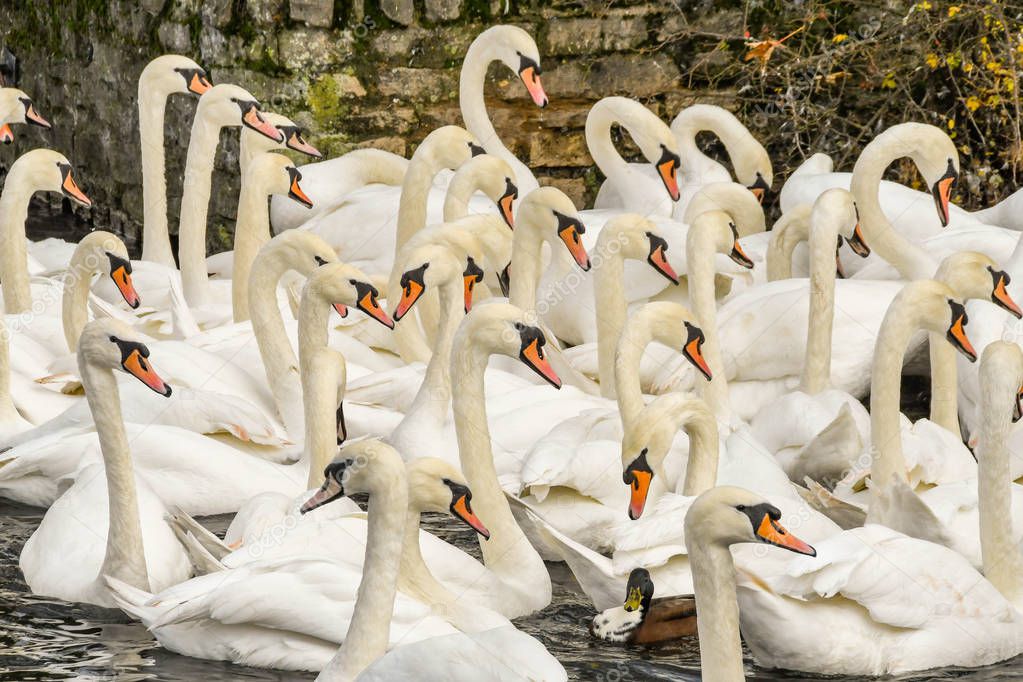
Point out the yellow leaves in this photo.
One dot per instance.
(951, 124)
(925, 5)
(889, 81)
(954, 10)
(762, 50)
(973, 103)
(933, 60)
(841, 38)
(953, 60)
(836, 76)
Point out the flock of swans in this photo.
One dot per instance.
(712, 375)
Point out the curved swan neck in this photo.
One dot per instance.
(944, 384)
(368, 633)
(75, 299)
(717, 604)
(415, 194)
(700, 253)
(661, 321)
(817, 364)
(13, 250)
(508, 553)
(609, 298)
(791, 229)
(156, 246)
(251, 232)
(474, 111)
(125, 557)
(1000, 374)
(910, 260)
(202, 148)
(702, 428)
(526, 263)
(279, 361)
(319, 367)
(414, 576)
(598, 141)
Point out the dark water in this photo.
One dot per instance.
(44, 639)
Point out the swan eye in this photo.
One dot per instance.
(740, 507)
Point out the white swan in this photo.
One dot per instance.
(17, 107)
(696, 169)
(162, 77)
(114, 529)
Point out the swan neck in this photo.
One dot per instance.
(791, 229)
(319, 386)
(817, 364)
(527, 247)
(251, 232)
(598, 142)
(156, 246)
(13, 249)
(434, 395)
(702, 468)
(414, 577)
(631, 345)
(700, 264)
(717, 604)
(944, 384)
(415, 194)
(75, 299)
(202, 148)
(125, 557)
(610, 305)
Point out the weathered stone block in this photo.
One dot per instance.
(418, 84)
(618, 74)
(574, 188)
(265, 11)
(174, 37)
(549, 148)
(313, 12)
(311, 49)
(400, 11)
(586, 36)
(443, 10)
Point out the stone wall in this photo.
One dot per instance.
(355, 74)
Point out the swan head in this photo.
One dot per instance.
(17, 107)
(436, 486)
(728, 515)
(973, 275)
(270, 173)
(363, 466)
(517, 50)
(343, 286)
(732, 198)
(498, 327)
(632, 236)
(449, 147)
(491, 175)
(229, 105)
(173, 73)
(720, 230)
(553, 215)
(291, 132)
(434, 266)
(836, 207)
(301, 251)
(47, 171)
(111, 344)
(101, 252)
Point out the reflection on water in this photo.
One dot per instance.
(44, 639)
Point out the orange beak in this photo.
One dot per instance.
(957, 332)
(198, 83)
(639, 489)
(139, 367)
(942, 192)
(858, 244)
(32, 116)
(461, 509)
(693, 352)
(772, 532)
(1000, 295)
(658, 260)
(739, 256)
(505, 203)
(532, 356)
(71, 189)
(759, 188)
(409, 295)
(369, 305)
(530, 75)
(6, 134)
(473, 274)
(253, 120)
(570, 235)
(295, 190)
(666, 168)
(297, 142)
(122, 278)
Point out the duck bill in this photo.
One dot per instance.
(341, 309)
(693, 350)
(6, 134)
(857, 243)
(634, 600)
(70, 188)
(1000, 295)
(739, 256)
(328, 492)
(531, 79)
(570, 236)
(533, 358)
(659, 262)
(295, 141)
(295, 190)
(198, 84)
(139, 367)
(409, 295)
(639, 489)
(957, 337)
(32, 116)
(369, 305)
(252, 120)
(773, 533)
(460, 509)
(122, 279)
